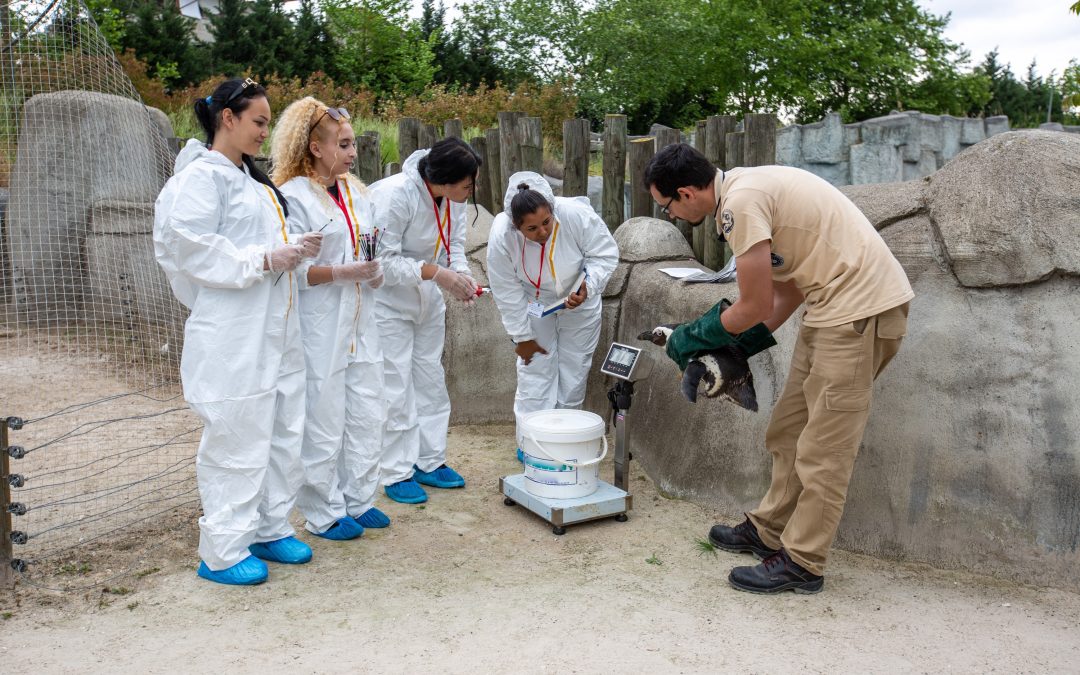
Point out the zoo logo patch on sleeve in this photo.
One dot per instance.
(727, 221)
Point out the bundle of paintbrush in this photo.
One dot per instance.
(368, 243)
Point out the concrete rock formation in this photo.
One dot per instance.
(971, 458)
(896, 147)
(88, 170)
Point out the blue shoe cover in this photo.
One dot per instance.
(373, 518)
(247, 572)
(287, 550)
(406, 492)
(520, 456)
(343, 530)
(443, 477)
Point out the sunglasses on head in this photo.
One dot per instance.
(336, 114)
(246, 86)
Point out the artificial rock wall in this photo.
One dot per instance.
(80, 218)
(971, 458)
(896, 147)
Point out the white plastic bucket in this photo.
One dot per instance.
(562, 452)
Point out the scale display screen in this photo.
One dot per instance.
(620, 360)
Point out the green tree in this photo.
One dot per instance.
(378, 46)
(478, 49)
(110, 20)
(165, 40)
(1070, 91)
(232, 51)
(273, 44)
(674, 61)
(446, 57)
(312, 50)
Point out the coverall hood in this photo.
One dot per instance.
(535, 182)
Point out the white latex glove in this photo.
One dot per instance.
(285, 258)
(457, 285)
(311, 242)
(472, 297)
(376, 282)
(353, 272)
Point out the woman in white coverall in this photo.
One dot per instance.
(313, 148)
(423, 210)
(538, 247)
(220, 235)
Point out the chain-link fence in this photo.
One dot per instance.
(101, 446)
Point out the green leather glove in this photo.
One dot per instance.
(699, 335)
(755, 339)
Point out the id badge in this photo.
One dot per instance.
(536, 310)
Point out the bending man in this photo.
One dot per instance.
(796, 240)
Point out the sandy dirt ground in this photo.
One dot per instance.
(466, 584)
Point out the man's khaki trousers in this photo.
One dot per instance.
(816, 429)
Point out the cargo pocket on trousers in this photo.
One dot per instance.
(840, 426)
(891, 327)
(847, 400)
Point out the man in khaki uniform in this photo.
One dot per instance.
(796, 240)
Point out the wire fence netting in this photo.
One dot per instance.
(103, 460)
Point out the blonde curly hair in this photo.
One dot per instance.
(290, 151)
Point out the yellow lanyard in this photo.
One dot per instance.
(440, 238)
(350, 215)
(550, 260)
(284, 236)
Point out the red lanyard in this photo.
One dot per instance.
(348, 221)
(540, 275)
(443, 239)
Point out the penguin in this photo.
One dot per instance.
(725, 370)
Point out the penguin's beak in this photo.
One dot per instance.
(655, 337)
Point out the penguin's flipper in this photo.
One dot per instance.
(695, 370)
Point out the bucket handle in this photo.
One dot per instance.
(571, 462)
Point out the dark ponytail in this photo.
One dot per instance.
(236, 95)
(525, 202)
(451, 160)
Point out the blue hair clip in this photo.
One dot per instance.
(209, 100)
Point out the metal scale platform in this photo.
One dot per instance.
(626, 364)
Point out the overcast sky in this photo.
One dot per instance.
(1022, 30)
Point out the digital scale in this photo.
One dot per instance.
(626, 364)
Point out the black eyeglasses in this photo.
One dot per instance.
(665, 209)
(247, 85)
(336, 114)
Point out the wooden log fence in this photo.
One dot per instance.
(614, 197)
(483, 180)
(575, 158)
(426, 137)
(640, 151)
(717, 128)
(702, 231)
(530, 140)
(408, 133)
(509, 149)
(494, 164)
(369, 157)
(453, 129)
(517, 144)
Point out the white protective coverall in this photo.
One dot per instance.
(579, 240)
(344, 362)
(411, 316)
(243, 362)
